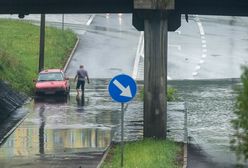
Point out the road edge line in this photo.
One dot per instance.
(71, 55)
(104, 156)
(137, 58)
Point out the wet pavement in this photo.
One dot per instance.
(207, 47)
(107, 48)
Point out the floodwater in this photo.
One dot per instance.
(78, 130)
(63, 132)
(210, 108)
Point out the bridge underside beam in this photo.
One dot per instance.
(65, 6)
(212, 7)
(173, 19)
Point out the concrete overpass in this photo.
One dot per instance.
(156, 18)
(205, 7)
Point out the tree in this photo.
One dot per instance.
(239, 142)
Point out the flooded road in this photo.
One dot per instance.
(210, 107)
(75, 132)
(62, 133)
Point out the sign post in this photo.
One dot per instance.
(122, 133)
(122, 88)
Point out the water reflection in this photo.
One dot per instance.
(51, 99)
(80, 100)
(31, 141)
(41, 130)
(55, 127)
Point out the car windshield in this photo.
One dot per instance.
(53, 76)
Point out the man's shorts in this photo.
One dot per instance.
(80, 83)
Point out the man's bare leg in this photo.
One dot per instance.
(77, 91)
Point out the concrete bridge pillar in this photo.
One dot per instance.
(155, 71)
(152, 17)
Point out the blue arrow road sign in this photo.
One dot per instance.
(122, 88)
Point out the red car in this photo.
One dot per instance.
(51, 82)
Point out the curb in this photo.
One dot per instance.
(104, 156)
(185, 147)
(76, 45)
(185, 155)
(71, 55)
(13, 129)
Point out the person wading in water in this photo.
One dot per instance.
(80, 77)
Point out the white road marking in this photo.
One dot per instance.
(198, 67)
(178, 32)
(204, 45)
(201, 28)
(201, 61)
(195, 73)
(90, 19)
(179, 47)
(169, 78)
(137, 58)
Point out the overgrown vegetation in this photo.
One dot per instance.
(171, 94)
(19, 51)
(240, 124)
(148, 153)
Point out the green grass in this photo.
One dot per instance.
(19, 51)
(147, 153)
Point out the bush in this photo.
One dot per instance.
(171, 94)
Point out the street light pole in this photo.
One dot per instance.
(42, 41)
(63, 21)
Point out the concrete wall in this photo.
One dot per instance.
(10, 100)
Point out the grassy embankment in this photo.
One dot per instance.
(19, 52)
(148, 153)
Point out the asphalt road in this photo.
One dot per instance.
(208, 47)
(107, 48)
